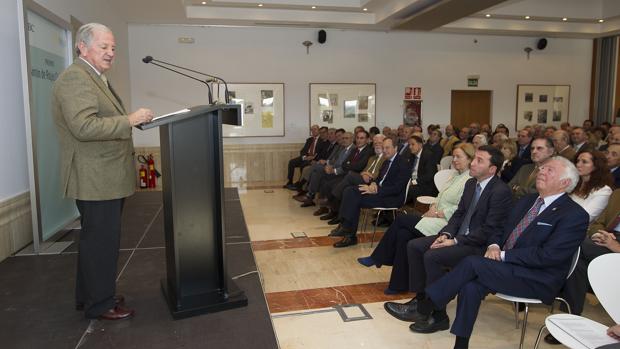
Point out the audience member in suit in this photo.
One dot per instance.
(386, 191)
(320, 172)
(613, 162)
(481, 213)
(512, 163)
(612, 138)
(524, 182)
(561, 144)
(309, 152)
(328, 136)
(530, 258)
(464, 134)
(449, 141)
(423, 169)
(603, 237)
(355, 163)
(403, 141)
(330, 153)
(392, 249)
(433, 144)
(331, 203)
(579, 138)
(595, 182)
(524, 142)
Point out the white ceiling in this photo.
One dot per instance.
(507, 17)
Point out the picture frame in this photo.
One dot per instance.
(342, 105)
(262, 109)
(542, 104)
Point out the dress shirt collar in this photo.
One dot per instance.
(484, 183)
(548, 201)
(613, 169)
(90, 65)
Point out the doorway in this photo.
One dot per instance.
(470, 106)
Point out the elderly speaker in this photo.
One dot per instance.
(322, 36)
(542, 43)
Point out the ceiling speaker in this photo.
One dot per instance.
(542, 43)
(322, 36)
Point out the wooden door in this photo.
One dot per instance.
(470, 106)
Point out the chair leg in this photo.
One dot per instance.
(523, 329)
(540, 332)
(374, 230)
(516, 315)
(560, 299)
(364, 220)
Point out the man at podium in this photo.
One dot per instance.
(97, 167)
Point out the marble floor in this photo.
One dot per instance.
(312, 289)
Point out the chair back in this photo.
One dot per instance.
(442, 177)
(605, 282)
(407, 191)
(573, 263)
(445, 162)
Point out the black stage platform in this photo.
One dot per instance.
(37, 303)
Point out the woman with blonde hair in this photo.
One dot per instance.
(512, 163)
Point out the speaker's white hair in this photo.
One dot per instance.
(570, 172)
(86, 32)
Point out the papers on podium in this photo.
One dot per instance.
(581, 330)
(157, 120)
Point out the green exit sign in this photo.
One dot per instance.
(472, 82)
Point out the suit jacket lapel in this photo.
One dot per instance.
(485, 192)
(102, 86)
(547, 213)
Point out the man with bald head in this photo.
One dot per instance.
(97, 166)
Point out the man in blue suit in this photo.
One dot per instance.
(388, 190)
(530, 258)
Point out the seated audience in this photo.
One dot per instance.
(329, 154)
(512, 164)
(501, 128)
(433, 144)
(524, 182)
(498, 138)
(549, 130)
(449, 141)
(579, 139)
(423, 164)
(387, 190)
(600, 136)
(524, 149)
(595, 181)
(311, 149)
(613, 162)
(392, 249)
(561, 144)
(464, 135)
(479, 140)
(403, 140)
(529, 258)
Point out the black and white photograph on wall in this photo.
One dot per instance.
(557, 115)
(266, 98)
(542, 98)
(529, 97)
(362, 102)
(542, 116)
(333, 99)
(557, 99)
(527, 115)
(350, 109)
(362, 117)
(412, 113)
(249, 108)
(328, 116)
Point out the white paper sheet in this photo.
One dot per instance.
(582, 331)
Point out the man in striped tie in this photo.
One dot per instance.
(530, 258)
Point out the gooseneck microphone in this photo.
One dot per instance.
(213, 78)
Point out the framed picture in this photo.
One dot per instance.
(343, 105)
(542, 104)
(262, 106)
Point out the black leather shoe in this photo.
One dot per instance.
(550, 339)
(291, 186)
(309, 202)
(321, 211)
(119, 299)
(430, 325)
(337, 231)
(403, 312)
(346, 241)
(329, 216)
(334, 221)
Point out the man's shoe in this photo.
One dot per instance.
(329, 216)
(323, 201)
(291, 186)
(338, 231)
(334, 221)
(117, 313)
(309, 202)
(430, 325)
(404, 312)
(550, 339)
(301, 197)
(366, 261)
(286, 185)
(119, 299)
(346, 241)
(321, 211)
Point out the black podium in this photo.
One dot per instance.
(192, 179)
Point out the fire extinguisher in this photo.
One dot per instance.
(143, 177)
(152, 175)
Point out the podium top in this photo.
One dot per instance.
(230, 114)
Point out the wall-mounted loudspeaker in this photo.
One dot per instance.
(542, 43)
(322, 36)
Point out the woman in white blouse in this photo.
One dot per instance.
(595, 182)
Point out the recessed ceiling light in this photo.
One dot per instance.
(601, 20)
(204, 2)
(527, 17)
(260, 5)
(313, 7)
(565, 19)
(365, 9)
(487, 15)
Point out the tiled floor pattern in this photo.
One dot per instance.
(304, 278)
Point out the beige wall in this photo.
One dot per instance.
(15, 224)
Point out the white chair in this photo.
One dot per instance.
(445, 162)
(605, 285)
(379, 211)
(441, 179)
(528, 301)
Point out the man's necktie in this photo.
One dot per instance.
(385, 168)
(414, 172)
(464, 228)
(105, 80)
(523, 224)
(313, 146)
(355, 155)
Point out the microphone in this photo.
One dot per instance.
(149, 59)
(213, 78)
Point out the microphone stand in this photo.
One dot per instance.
(206, 82)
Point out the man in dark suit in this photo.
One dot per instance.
(434, 145)
(482, 211)
(423, 169)
(309, 152)
(524, 139)
(613, 162)
(579, 138)
(561, 144)
(386, 191)
(530, 258)
(524, 182)
(97, 167)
